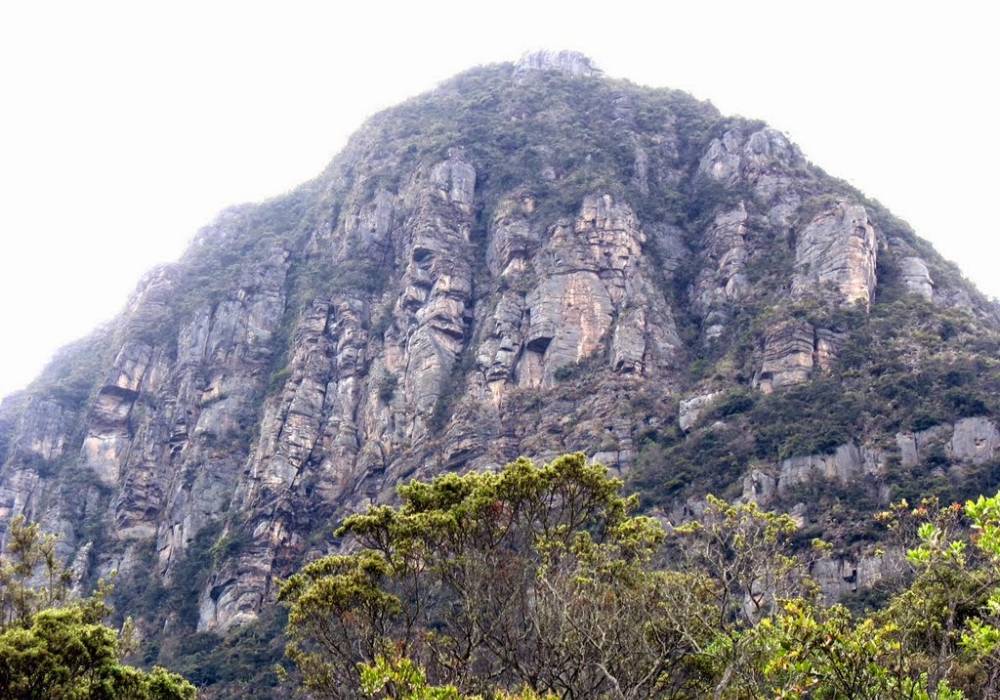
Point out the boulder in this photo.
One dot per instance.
(916, 277)
(689, 410)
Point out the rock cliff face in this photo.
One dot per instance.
(530, 259)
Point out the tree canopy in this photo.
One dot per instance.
(54, 646)
(540, 580)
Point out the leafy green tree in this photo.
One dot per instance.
(65, 654)
(53, 647)
(741, 554)
(981, 635)
(401, 679)
(535, 576)
(540, 579)
(951, 581)
(31, 576)
(822, 653)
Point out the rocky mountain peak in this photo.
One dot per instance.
(571, 63)
(501, 268)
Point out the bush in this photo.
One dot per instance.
(386, 387)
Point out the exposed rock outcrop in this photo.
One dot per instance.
(572, 63)
(913, 447)
(845, 465)
(916, 277)
(759, 487)
(974, 440)
(722, 281)
(593, 294)
(838, 576)
(789, 355)
(837, 250)
(764, 159)
(690, 409)
(862, 468)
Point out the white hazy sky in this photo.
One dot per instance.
(125, 126)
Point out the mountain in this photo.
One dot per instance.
(531, 259)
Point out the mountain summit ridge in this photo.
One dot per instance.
(572, 63)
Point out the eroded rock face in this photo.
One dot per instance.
(722, 281)
(974, 440)
(108, 438)
(764, 159)
(337, 425)
(569, 315)
(424, 307)
(834, 266)
(759, 487)
(593, 293)
(35, 433)
(844, 465)
(838, 576)
(40, 432)
(913, 447)
(789, 355)
(848, 465)
(836, 251)
(514, 240)
(437, 284)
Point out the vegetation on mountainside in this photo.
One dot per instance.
(54, 646)
(243, 661)
(906, 366)
(540, 580)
